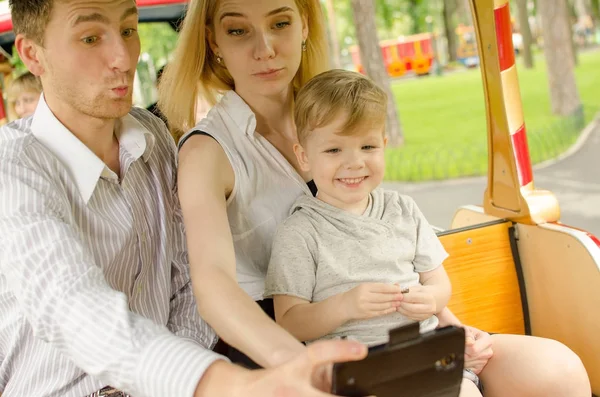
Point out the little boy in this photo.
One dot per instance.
(23, 94)
(356, 260)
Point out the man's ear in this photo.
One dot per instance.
(302, 157)
(30, 53)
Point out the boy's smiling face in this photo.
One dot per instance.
(345, 167)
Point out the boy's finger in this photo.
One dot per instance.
(382, 288)
(385, 298)
(416, 297)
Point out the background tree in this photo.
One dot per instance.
(448, 10)
(558, 50)
(525, 29)
(333, 35)
(372, 61)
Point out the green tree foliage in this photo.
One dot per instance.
(158, 40)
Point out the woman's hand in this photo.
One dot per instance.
(478, 349)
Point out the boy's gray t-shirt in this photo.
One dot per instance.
(321, 251)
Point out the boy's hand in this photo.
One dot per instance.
(417, 304)
(370, 300)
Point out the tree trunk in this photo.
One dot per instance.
(570, 15)
(448, 8)
(372, 60)
(465, 12)
(558, 50)
(595, 7)
(335, 42)
(523, 15)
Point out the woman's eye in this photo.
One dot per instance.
(281, 25)
(235, 32)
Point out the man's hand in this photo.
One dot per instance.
(370, 300)
(308, 375)
(478, 349)
(418, 303)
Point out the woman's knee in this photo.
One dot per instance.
(568, 375)
(536, 367)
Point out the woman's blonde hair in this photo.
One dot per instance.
(194, 70)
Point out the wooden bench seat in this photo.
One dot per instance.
(485, 273)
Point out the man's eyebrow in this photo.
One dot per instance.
(97, 17)
(270, 13)
(129, 12)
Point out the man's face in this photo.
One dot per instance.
(89, 57)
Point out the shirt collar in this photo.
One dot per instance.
(240, 112)
(83, 165)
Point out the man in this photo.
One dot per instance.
(94, 285)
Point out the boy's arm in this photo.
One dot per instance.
(308, 321)
(437, 283)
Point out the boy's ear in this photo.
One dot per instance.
(385, 141)
(302, 157)
(30, 53)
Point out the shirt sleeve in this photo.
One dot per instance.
(64, 296)
(292, 268)
(429, 251)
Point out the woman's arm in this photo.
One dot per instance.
(205, 179)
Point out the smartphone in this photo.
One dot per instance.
(409, 365)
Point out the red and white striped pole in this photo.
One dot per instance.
(512, 95)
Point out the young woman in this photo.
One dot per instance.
(238, 178)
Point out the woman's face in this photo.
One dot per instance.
(260, 43)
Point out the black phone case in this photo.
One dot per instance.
(409, 365)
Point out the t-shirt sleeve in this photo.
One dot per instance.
(429, 251)
(292, 268)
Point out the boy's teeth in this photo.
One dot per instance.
(351, 181)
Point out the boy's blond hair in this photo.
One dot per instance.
(339, 92)
(26, 82)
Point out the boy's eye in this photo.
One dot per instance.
(334, 150)
(369, 147)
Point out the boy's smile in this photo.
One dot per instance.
(345, 166)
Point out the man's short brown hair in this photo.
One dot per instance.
(335, 93)
(30, 18)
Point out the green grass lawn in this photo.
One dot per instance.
(444, 120)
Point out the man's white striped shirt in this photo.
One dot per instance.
(94, 277)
